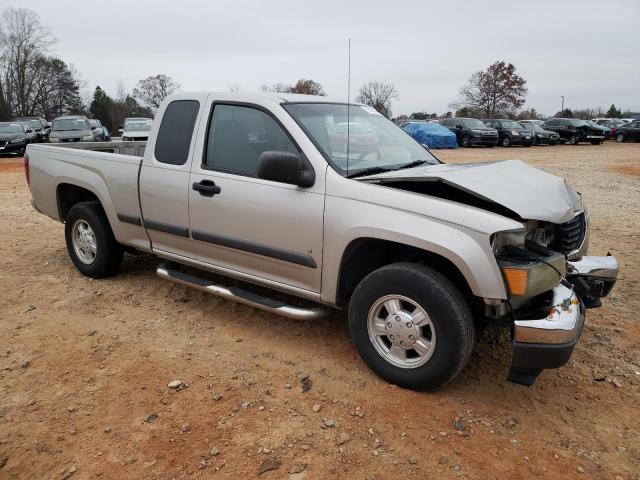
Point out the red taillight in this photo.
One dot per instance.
(26, 167)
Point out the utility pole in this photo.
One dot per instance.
(562, 110)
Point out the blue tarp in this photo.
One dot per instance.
(433, 135)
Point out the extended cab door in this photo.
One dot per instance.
(164, 176)
(267, 230)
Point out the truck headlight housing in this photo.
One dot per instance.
(88, 138)
(528, 269)
(528, 279)
(17, 140)
(515, 133)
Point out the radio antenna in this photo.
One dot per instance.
(348, 100)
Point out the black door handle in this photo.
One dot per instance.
(206, 188)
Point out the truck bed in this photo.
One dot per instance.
(111, 177)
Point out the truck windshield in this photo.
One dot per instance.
(10, 128)
(69, 124)
(374, 142)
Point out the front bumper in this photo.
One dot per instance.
(477, 139)
(548, 342)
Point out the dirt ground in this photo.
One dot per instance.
(85, 367)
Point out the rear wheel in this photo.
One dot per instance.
(411, 326)
(90, 241)
(465, 140)
(620, 138)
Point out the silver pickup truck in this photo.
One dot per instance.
(300, 205)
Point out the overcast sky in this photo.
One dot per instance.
(588, 51)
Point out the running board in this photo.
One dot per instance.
(240, 295)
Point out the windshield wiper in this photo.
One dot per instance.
(369, 171)
(415, 163)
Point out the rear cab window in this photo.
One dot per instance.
(176, 131)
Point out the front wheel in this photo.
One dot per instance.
(573, 140)
(90, 241)
(506, 142)
(411, 326)
(465, 140)
(620, 138)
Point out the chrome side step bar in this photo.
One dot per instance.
(240, 295)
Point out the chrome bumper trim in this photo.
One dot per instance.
(601, 267)
(562, 325)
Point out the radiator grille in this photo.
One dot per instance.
(570, 235)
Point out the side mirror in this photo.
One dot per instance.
(29, 130)
(286, 168)
(93, 128)
(459, 127)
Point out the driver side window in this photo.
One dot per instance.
(238, 135)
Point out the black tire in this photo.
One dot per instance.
(620, 138)
(573, 140)
(506, 142)
(465, 140)
(446, 307)
(109, 252)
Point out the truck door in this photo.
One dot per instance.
(264, 229)
(164, 177)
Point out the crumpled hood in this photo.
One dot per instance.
(531, 193)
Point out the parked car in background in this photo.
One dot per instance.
(72, 128)
(574, 130)
(538, 123)
(510, 132)
(14, 137)
(100, 131)
(137, 130)
(362, 140)
(611, 123)
(132, 119)
(471, 131)
(540, 136)
(606, 131)
(32, 134)
(431, 135)
(39, 125)
(629, 132)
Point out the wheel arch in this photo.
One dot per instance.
(68, 195)
(365, 254)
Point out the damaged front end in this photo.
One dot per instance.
(550, 284)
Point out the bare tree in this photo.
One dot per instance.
(154, 89)
(25, 42)
(378, 95)
(235, 87)
(496, 91)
